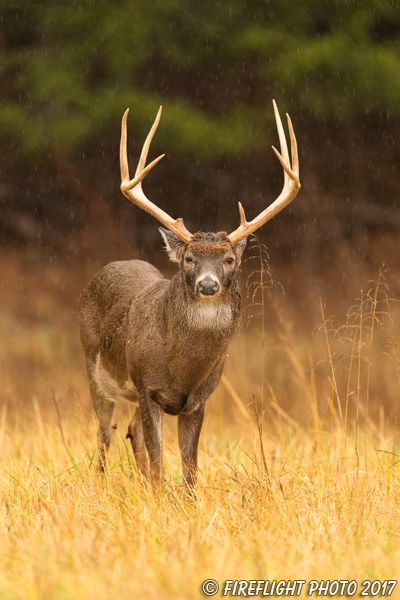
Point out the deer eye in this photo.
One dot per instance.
(229, 261)
(188, 259)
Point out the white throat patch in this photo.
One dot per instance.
(205, 315)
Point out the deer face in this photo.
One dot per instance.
(208, 263)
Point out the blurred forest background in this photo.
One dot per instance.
(68, 71)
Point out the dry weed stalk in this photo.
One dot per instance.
(350, 350)
(258, 284)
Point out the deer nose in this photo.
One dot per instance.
(208, 286)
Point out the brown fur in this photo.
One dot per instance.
(203, 244)
(160, 344)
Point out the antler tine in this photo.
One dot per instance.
(146, 145)
(141, 172)
(287, 169)
(282, 138)
(123, 155)
(290, 188)
(293, 147)
(133, 189)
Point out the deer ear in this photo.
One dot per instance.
(173, 245)
(239, 248)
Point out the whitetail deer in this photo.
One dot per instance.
(162, 344)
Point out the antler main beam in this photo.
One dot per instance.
(291, 184)
(132, 189)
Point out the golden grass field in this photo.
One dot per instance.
(309, 489)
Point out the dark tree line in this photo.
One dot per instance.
(69, 70)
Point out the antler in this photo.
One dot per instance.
(290, 189)
(132, 189)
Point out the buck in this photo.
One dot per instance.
(161, 344)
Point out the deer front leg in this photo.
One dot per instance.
(189, 428)
(152, 417)
(135, 434)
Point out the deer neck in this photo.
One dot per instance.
(218, 316)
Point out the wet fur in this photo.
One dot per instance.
(150, 339)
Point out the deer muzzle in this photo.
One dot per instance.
(208, 286)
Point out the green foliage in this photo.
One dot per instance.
(71, 69)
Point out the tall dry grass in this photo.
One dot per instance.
(299, 471)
